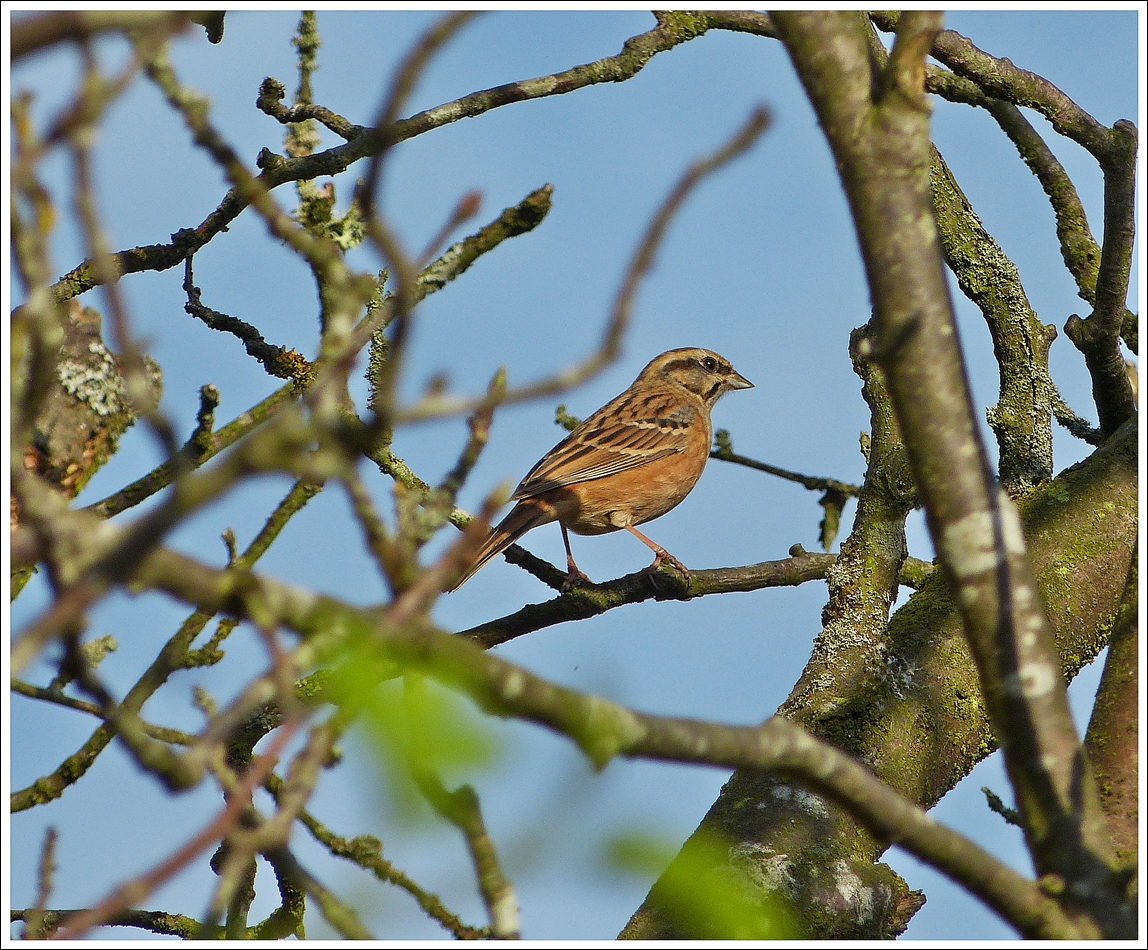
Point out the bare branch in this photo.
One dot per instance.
(1001, 79)
(589, 600)
(673, 28)
(437, 406)
(175, 654)
(277, 360)
(270, 101)
(155, 921)
(603, 730)
(724, 451)
(367, 852)
(1111, 741)
(34, 920)
(33, 33)
(975, 527)
(136, 890)
(200, 448)
(1098, 336)
(461, 808)
(338, 914)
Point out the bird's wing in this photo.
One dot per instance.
(634, 429)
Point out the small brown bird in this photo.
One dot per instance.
(629, 463)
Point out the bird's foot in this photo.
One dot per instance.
(574, 577)
(665, 557)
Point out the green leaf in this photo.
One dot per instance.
(412, 724)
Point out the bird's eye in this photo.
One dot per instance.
(709, 364)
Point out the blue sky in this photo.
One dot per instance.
(761, 266)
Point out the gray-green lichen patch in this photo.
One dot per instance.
(807, 802)
(762, 868)
(852, 891)
(897, 672)
(96, 383)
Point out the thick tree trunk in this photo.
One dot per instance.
(919, 722)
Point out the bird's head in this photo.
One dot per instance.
(702, 372)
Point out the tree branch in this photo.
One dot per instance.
(1001, 79)
(882, 148)
(461, 808)
(33, 33)
(174, 655)
(137, 889)
(672, 29)
(1098, 336)
(1022, 417)
(367, 852)
(1112, 739)
(589, 600)
(155, 921)
(603, 730)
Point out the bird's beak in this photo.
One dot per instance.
(737, 381)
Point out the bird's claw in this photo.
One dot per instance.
(664, 557)
(573, 579)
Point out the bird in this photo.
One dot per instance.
(630, 462)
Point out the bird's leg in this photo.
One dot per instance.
(660, 553)
(573, 575)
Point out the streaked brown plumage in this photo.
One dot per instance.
(629, 463)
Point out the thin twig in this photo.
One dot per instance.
(34, 921)
(277, 360)
(436, 406)
(162, 733)
(672, 29)
(724, 451)
(137, 889)
(200, 448)
(367, 852)
(174, 655)
(270, 102)
(339, 915)
(461, 808)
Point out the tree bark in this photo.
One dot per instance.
(919, 722)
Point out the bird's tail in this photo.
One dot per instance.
(528, 513)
